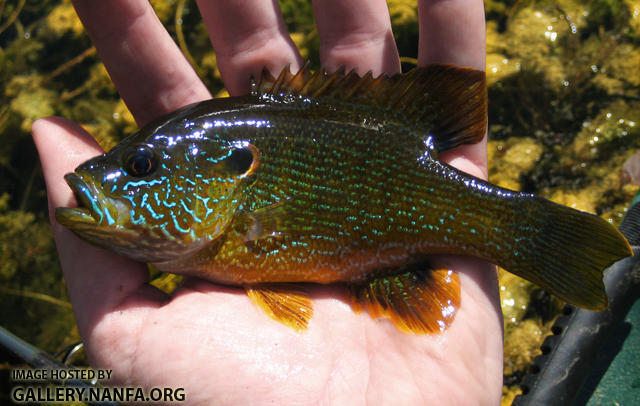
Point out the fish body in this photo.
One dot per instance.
(333, 178)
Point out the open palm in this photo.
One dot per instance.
(210, 339)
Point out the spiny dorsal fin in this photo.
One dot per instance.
(447, 100)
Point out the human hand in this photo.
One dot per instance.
(211, 339)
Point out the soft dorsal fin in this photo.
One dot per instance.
(447, 100)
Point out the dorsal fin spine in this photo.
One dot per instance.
(299, 78)
(447, 101)
(309, 82)
(281, 79)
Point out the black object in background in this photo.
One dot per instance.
(584, 343)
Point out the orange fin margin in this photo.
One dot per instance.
(285, 303)
(419, 302)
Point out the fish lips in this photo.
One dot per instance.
(93, 207)
(97, 219)
(105, 222)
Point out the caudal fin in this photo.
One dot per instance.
(568, 252)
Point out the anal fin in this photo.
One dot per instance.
(285, 303)
(419, 302)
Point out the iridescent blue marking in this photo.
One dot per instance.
(205, 201)
(191, 212)
(139, 220)
(175, 223)
(142, 182)
(110, 220)
(93, 199)
(167, 204)
(152, 212)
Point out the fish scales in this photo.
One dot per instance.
(362, 192)
(307, 180)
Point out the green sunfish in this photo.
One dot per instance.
(318, 178)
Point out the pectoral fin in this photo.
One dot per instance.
(286, 303)
(266, 222)
(263, 230)
(419, 302)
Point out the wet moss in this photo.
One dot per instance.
(563, 78)
(511, 159)
(515, 295)
(63, 20)
(525, 345)
(634, 13)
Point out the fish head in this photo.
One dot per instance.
(156, 198)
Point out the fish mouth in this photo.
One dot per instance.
(106, 222)
(94, 208)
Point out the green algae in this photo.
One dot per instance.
(510, 158)
(564, 117)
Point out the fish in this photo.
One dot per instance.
(318, 178)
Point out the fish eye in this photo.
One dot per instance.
(140, 162)
(240, 160)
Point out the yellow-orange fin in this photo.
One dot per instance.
(286, 303)
(419, 302)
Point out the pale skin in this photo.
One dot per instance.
(210, 339)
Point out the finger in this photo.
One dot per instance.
(148, 69)
(356, 34)
(471, 158)
(247, 36)
(453, 31)
(98, 281)
(62, 146)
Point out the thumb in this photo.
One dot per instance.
(98, 281)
